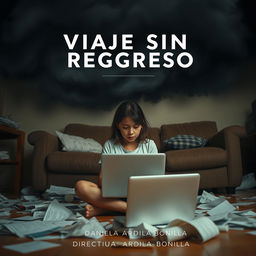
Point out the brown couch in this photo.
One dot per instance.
(219, 163)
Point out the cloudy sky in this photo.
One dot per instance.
(219, 36)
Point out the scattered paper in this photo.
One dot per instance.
(5, 221)
(215, 214)
(25, 218)
(142, 231)
(4, 213)
(248, 182)
(39, 214)
(223, 208)
(246, 213)
(31, 246)
(243, 203)
(60, 190)
(251, 233)
(200, 229)
(25, 228)
(30, 198)
(87, 228)
(219, 216)
(56, 211)
(207, 197)
(3, 198)
(50, 237)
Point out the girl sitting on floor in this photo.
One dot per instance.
(129, 131)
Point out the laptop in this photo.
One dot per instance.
(158, 200)
(117, 168)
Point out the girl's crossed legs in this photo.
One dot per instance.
(91, 193)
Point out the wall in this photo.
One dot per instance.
(229, 108)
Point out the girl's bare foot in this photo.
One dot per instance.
(91, 211)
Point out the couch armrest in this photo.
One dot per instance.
(44, 143)
(229, 139)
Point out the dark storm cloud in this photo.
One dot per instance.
(32, 46)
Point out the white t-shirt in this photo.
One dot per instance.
(146, 147)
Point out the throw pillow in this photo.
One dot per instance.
(78, 144)
(185, 142)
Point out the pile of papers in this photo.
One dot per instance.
(213, 214)
(61, 194)
(226, 215)
(60, 216)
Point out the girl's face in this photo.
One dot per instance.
(129, 130)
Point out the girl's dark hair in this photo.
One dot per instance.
(133, 110)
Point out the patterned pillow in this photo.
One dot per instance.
(78, 144)
(185, 142)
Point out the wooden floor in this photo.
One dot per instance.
(231, 243)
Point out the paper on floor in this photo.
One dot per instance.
(87, 228)
(251, 233)
(243, 203)
(24, 228)
(223, 208)
(56, 211)
(142, 231)
(200, 229)
(207, 197)
(31, 246)
(58, 190)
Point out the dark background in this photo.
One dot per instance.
(220, 36)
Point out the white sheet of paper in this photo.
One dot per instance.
(4, 214)
(31, 246)
(201, 229)
(50, 237)
(200, 211)
(204, 206)
(2, 197)
(30, 198)
(207, 197)
(218, 216)
(88, 228)
(23, 228)
(251, 233)
(241, 221)
(26, 218)
(245, 213)
(216, 202)
(222, 208)
(5, 221)
(143, 230)
(39, 214)
(58, 212)
(60, 190)
(243, 203)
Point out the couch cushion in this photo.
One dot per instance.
(183, 141)
(196, 158)
(205, 129)
(98, 133)
(78, 144)
(73, 162)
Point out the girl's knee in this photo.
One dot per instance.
(83, 186)
(80, 185)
